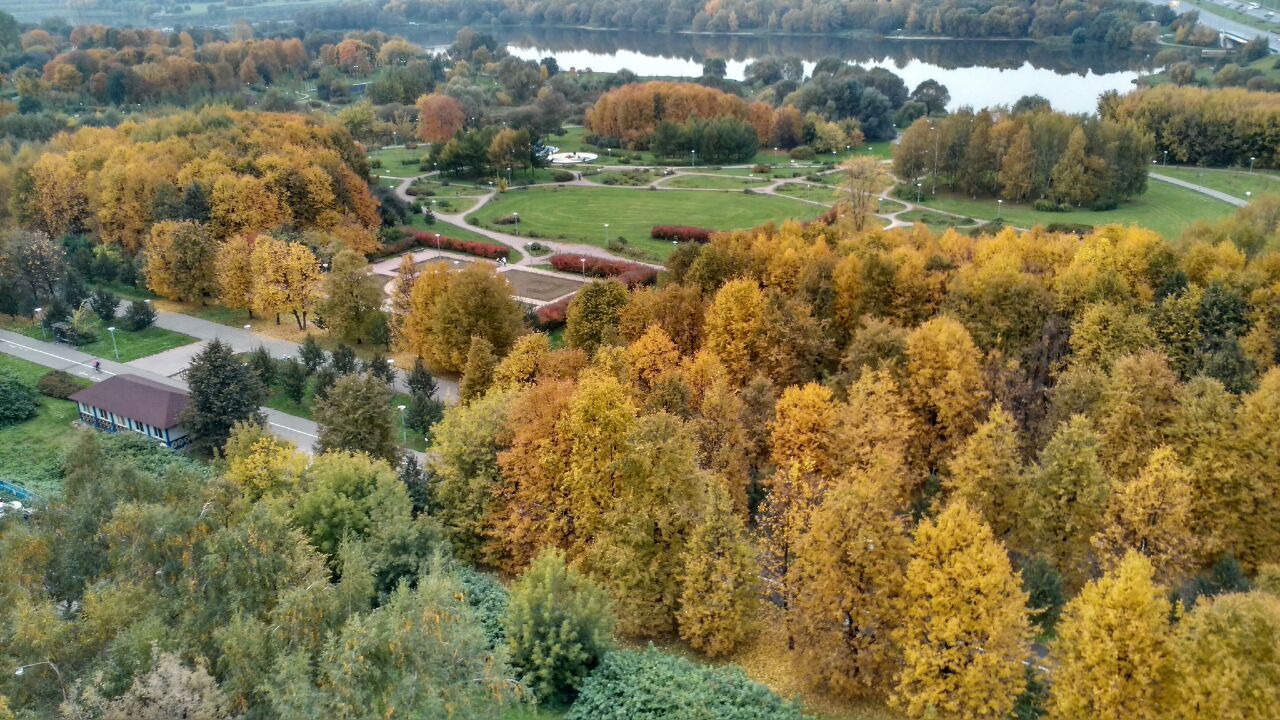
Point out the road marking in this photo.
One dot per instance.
(57, 357)
(294, 430)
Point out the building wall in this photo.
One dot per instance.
(175, 437)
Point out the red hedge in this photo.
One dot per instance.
(553, 314)
(417, 238)
(628, 273)
(680, 233)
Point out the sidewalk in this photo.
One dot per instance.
(1215, 194)
(298, 431)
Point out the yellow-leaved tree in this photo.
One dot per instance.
(963, 627)
(180, 261)
(1203, 435)
(1259, 452)
(234, 270)
(877, 429)
(597, 427)
(1137, 409)
(650, 357)
(946, 388)
(520, 366)
(734, 327)
(1068, 493)
(260, 464)
(1226, 653)
(719, 580)
(1151, 514)
(1112, 657)
(845, 585)
(987, 474)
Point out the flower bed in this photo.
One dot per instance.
(680, 233)
(628, 273)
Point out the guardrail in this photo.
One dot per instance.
(17, 492)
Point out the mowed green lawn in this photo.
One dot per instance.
(132, 345)
(31, 452)
(712, 182)
(579, 214)
(395, 161)
(1164, 208)
(1231, 182)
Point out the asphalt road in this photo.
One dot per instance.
(1217, 22)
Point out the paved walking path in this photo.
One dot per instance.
(1215, 194)
(299, 431)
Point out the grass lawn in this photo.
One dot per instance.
(132, 345)
(1231, 182)
(395, 161)
(890, 206)
(448, 229)
(1164, 208)
(579, 214)
(932, 218)
(31, 452)
(711, 182)
(816, 193)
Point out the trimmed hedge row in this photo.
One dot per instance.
(410, 239)
(680, 233)
(553, 315)
(628, 273)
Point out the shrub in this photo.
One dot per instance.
(375, 163)
(17, 401)
(680, 233)
(1048, 206)
(138, 316)
(557, 627)
(1080, 229)
(762, 169)
(409, 239)
(652, 685)
(803, 152)
(553, 315)
(104, 304)
(629, 273)
(61, 385)
(561, 176)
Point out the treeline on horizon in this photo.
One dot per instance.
(1116, 23)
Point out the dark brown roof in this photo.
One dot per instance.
(137, 398)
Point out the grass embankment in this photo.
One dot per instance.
(1164, 208)
(579, 214)
(31, 452)
(132, 345)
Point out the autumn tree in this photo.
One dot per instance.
(1151, 514)
(477, 374)
(521, 366)
(1068, 494)
(734, 326)
(223, 391)
(986, 472)
(946, 388)
(1016, 167)
(402, 297)
(356, 416)
(651, 357)
(448, 309)
(1112, 649)
(1226, 659)
(963, 626)
(1259, 443)
(440, 117)
(877, 430)
(464, 469)
(592, 318)
(286, 279)
(864, 178)
(845, 583)
(352, 297)
(180, 261)
(719, 578)
(598, 426)
(233, 267)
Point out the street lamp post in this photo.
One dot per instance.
(694, 154)
(19, 672)
(1248, 196)
(1251, 159)
(404, 434)
(517, 217)
(1166, 158)
(918, 188)
(36, 313)
(605, 236)
(999, 205)
(437, 242)
(112, 330)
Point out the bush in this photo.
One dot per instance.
(375, 163)
(803, 152)
(61, 385)
(553, 315)
(138, 316)
(1080, 229)
(762, 169)
(104, 304)
(1048, 206)
(17, 401)
(557, 627)
(408, 239)
(561, 176)
(505, 220)
(652, 685)
(680, 233)
(629, 273)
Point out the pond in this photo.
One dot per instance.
(976, 72)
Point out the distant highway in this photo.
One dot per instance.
(1222, 24)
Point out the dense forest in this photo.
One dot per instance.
(904, 451)
(1228, 126)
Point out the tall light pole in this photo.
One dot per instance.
(517, 217)
(917, 193)
(933, 130)
(694, 155)
(35, 314)
(1166, 158)
(1248, 196)
(437, 242)
(999, 206)
(112, 330)
(1251, 159)
(605, 235)
(584, 265)
(404, 434)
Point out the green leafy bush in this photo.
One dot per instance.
(652, 685)
(17, 401)
(561, 176)
(61, 385)
(804, 152)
